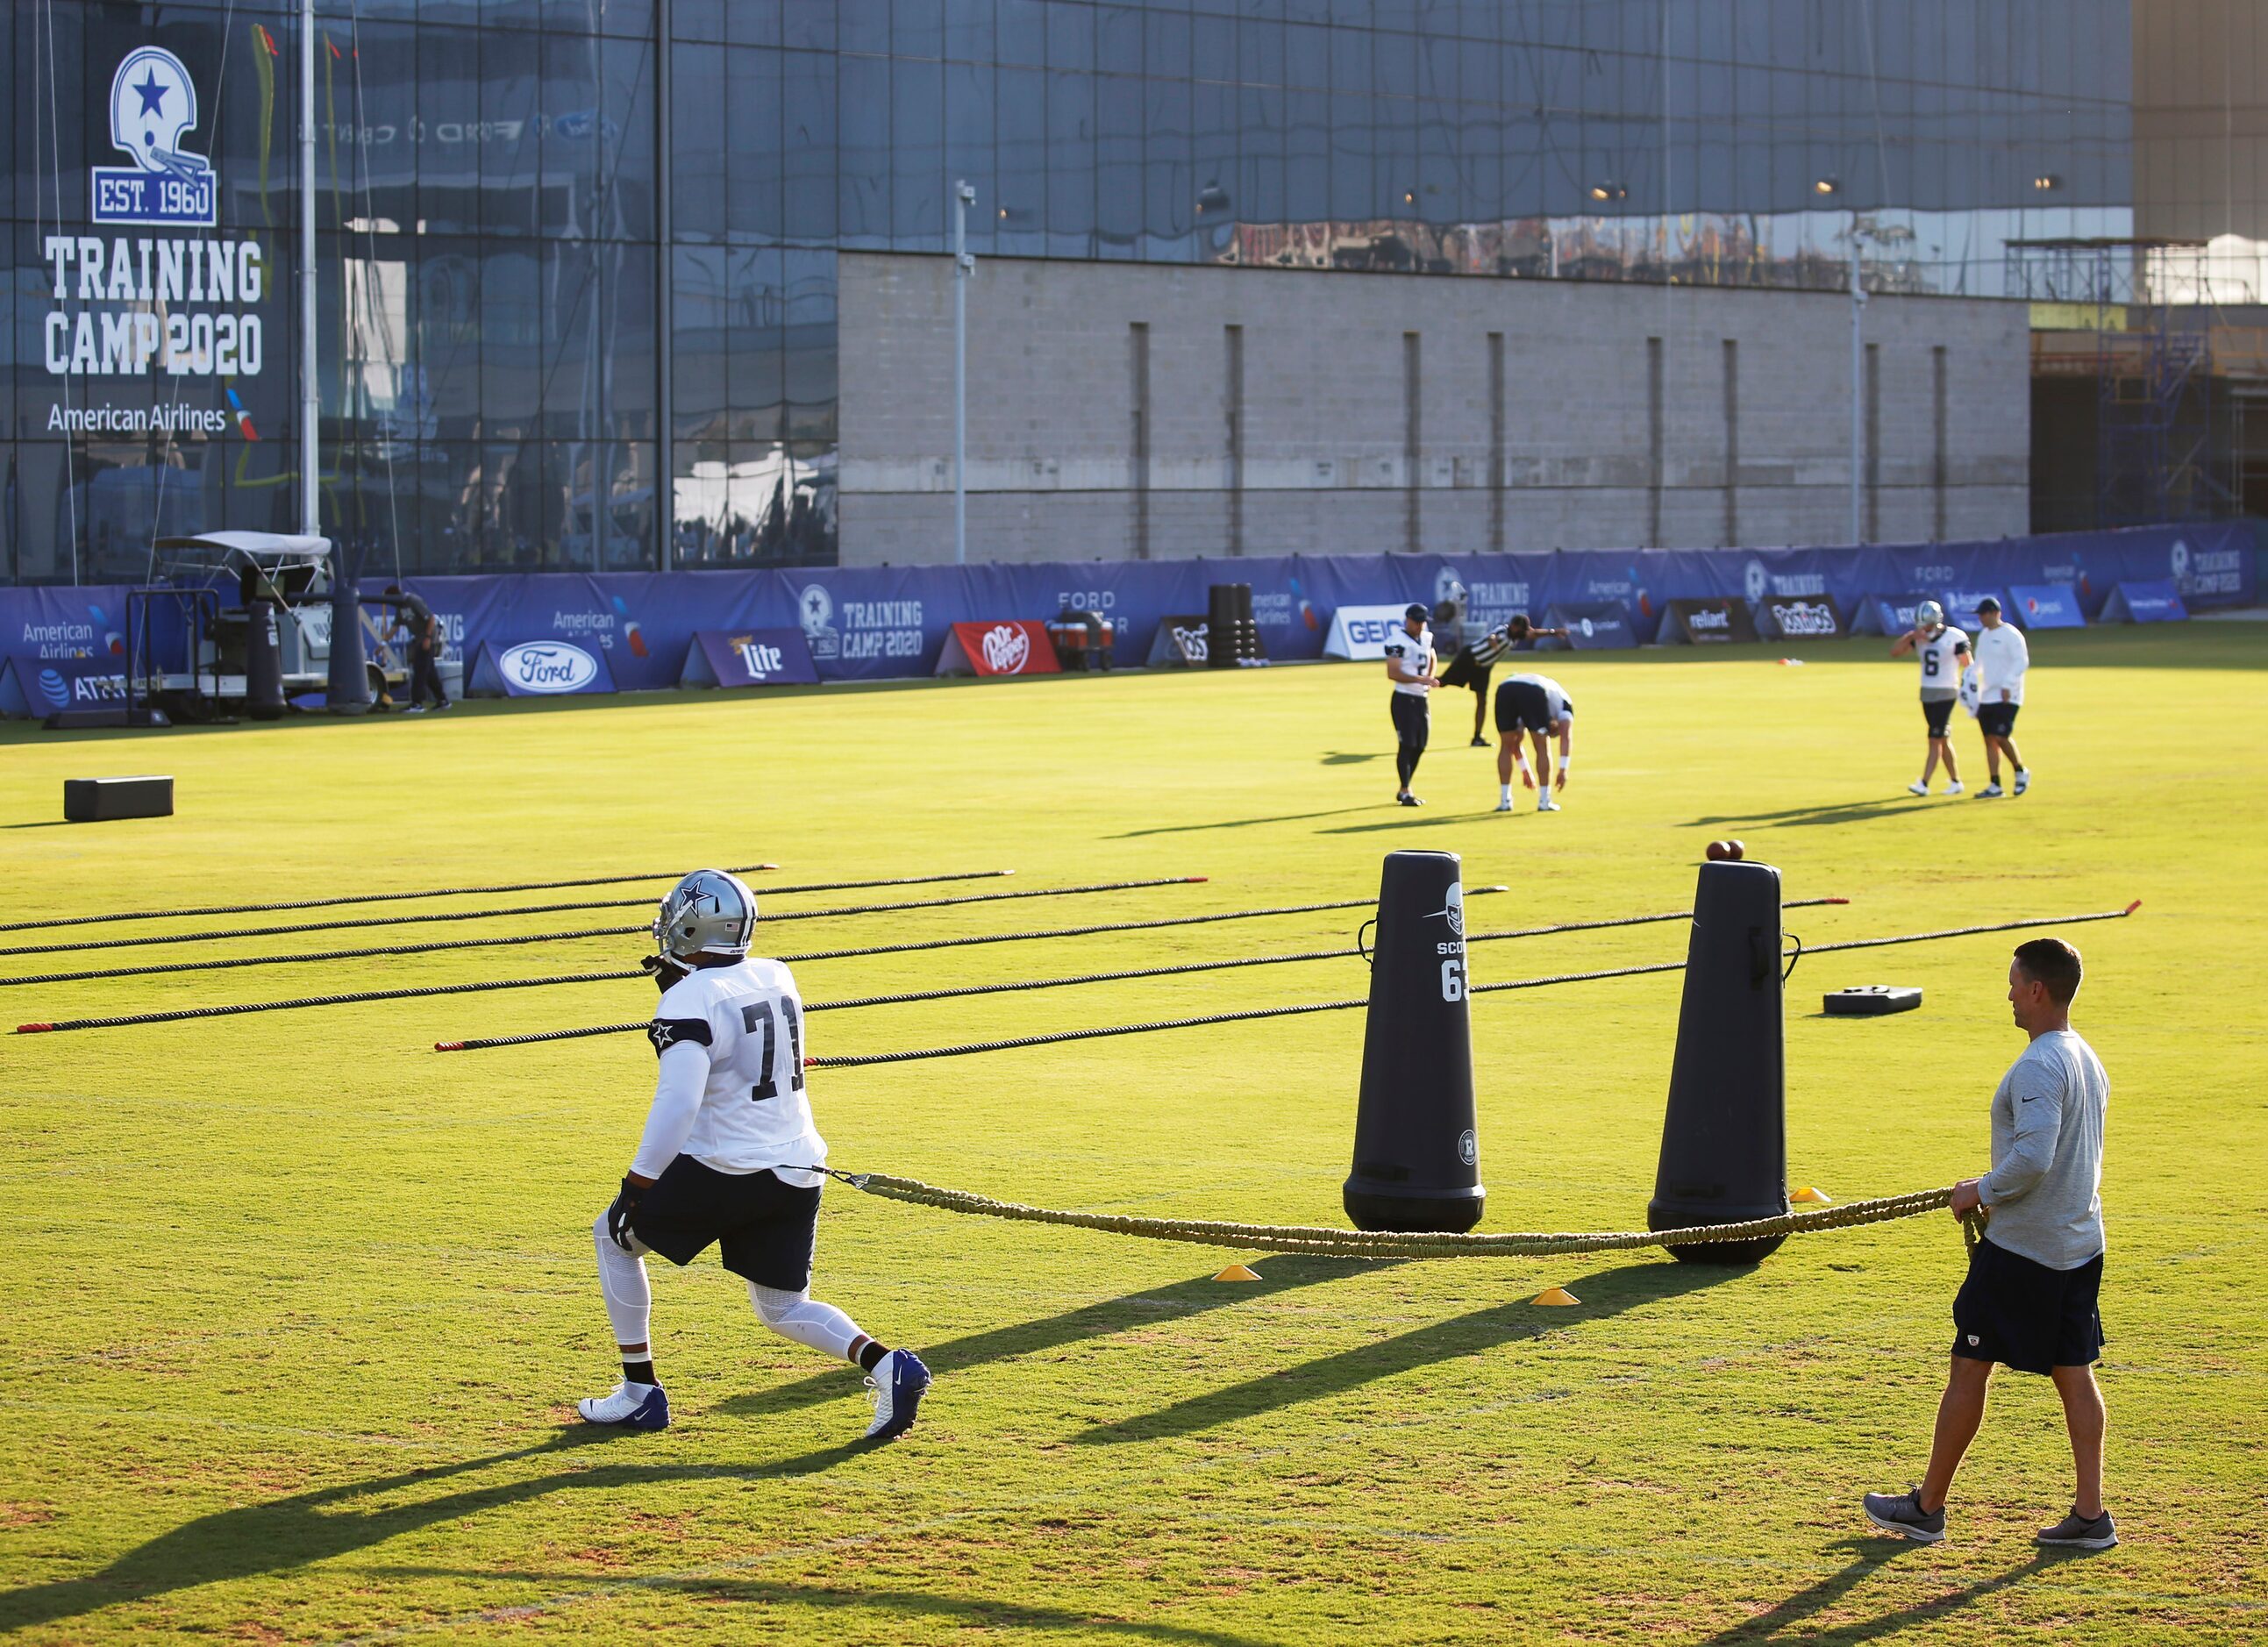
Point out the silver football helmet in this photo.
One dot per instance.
(1929, 615)
(707, 913)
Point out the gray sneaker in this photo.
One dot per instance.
(1902, 1513)
(2076, 1532)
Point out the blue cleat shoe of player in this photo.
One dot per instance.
(898, 1381)
(630, 1407)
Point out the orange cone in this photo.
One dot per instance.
(1238, 1272)
(1810, 1197)
(1556, 1296)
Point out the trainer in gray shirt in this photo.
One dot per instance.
(2044, 1190)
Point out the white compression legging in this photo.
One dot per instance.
(792, 1315)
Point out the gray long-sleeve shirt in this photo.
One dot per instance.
(2045, 1186)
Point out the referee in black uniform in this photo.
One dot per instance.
(1410, 665)
(1471, 665)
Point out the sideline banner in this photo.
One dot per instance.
(2044, 607)
(1016, 646)
(1181, 642)
(1360, 633)
(1886, 615)
(537, 669)
(748, 657)
(1598, 626)
(1797, 619)
(2144, 603)
(880, 621)
(1716, 623)
(35, 687)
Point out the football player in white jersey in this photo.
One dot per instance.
(729, 1158)
(1944, 653)
(1410, 665)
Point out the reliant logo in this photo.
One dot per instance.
(1707, 618)
(153, 104)
(1803, 617)
(1007, 648)
(549, 667)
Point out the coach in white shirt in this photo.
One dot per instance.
(2002, 658)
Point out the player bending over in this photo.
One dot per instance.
(1539, 706)
(1944, 653)
(1474, 660)
(727, 1159)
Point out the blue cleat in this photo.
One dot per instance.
(898, 1380)
(630, 1407)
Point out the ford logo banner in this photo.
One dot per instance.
(538, 669)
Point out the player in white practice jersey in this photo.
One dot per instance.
(729, 1159)
(1944, 653)
(2003, 659)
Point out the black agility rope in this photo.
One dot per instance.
(485, 914)
(853, 1059)
(434, 946)
(368, 897)
(488, 1043)
(639, 972)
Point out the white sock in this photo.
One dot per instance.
(1506, 793)
(804, 1318)
(621, 1280)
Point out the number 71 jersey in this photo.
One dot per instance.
(755, 1112)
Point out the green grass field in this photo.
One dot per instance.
(299, 1308)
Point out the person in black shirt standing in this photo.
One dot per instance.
(425, 649)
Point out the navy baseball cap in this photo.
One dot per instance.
(1416, 610)
(1991, 603)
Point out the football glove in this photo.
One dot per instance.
(624, 1208)
(666, 970)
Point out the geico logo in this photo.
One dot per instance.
(1370, 628)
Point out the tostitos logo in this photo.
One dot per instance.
(549, 667)
(1008, 648)
(1804, 617)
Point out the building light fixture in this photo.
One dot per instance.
(2047, 180)
(1608, 191)
(1826, 186)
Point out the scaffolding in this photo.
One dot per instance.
(2150, 307)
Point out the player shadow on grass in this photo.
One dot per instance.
(1842, 811)
(284, 1534)
(1869, 1557)
(1604, 1292)
(1151, 1307)
(1235, 823)
(967, 1612)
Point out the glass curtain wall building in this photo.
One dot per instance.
(577, 258)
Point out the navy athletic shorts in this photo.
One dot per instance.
(1522, 703)
(1938, 712)
(1997, 720)
(764, 1229)
(1465, 670)
(2025, 1315)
